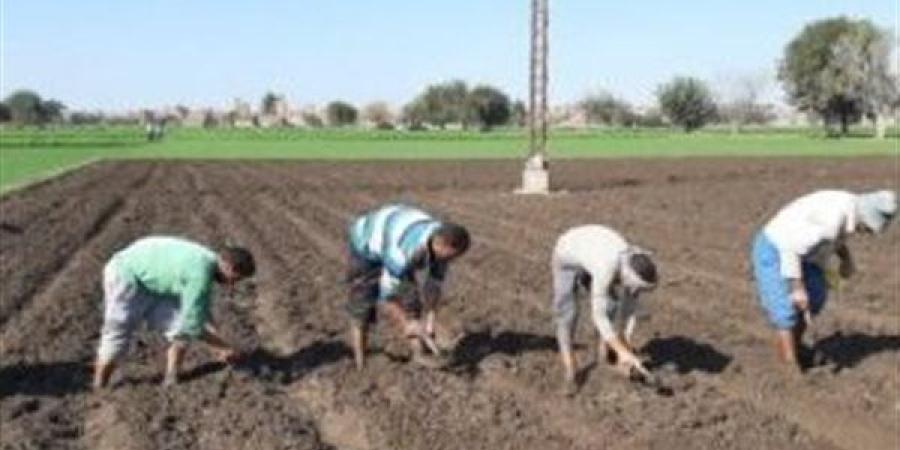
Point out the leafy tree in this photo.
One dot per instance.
(414, 114)
(488, 106)
(269, 103)
(519, 114)
(5, 113)
(838, 69)
(378, 113)
(25, 107)
(85, 118)
(182, 111)
(209, 119)
(51, 111)
(740, 104)
(687, 102)
(651, 118)
(443, 103)
(340, 113)
(312, 119)
(603, 108)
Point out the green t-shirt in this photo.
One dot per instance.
(169, 266)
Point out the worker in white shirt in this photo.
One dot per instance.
(791, 254)
(598, 259)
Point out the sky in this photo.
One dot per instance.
(119, 55)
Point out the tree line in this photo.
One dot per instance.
(836, 70)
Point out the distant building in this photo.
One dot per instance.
(789, 117)
(568, 116)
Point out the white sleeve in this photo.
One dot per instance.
(804, 238)
(600, 281)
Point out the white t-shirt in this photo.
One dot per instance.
(811, 227)
(596, 250)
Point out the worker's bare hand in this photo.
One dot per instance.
(414, 328)
(228, 355)
(800, 299)
(628, 362)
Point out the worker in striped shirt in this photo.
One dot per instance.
(597, 259)
(791, 256)
(398, 260)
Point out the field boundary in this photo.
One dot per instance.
(46, 177)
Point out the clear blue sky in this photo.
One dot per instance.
(127, 53)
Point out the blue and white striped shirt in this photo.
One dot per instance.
(396, 237)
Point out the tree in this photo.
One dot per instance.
(488, 107)
(85, 118)
(603, 108)
(269, 104)
(209, 119)
(25, 107)
(740, 104)
(519, 114)
(838, 69)
(378, 113)
(182, 111)
(443, 103)
(5, 113)
(864, 64)
(687, 102)
(312, 120)
(51, 111)
(414, 114)
(340, 113)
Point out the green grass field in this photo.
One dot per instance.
(27, 155)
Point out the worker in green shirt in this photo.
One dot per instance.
(166, 282)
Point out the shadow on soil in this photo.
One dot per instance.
(847, 351)
(686, 354)
(264, 364)
(475, 347)
(44, 379)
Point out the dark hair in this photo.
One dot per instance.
(240, 259)
(454, 235)
(644, 267)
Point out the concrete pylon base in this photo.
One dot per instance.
(535, 177)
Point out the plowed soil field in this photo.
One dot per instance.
(297, 389)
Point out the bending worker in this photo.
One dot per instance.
(166, 282)
(791, 256)
(398, 260)
(597, 259)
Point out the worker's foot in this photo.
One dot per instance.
(569, 388)
(171, 379)
(792, 371)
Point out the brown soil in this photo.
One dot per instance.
(701, 331)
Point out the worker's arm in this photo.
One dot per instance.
(194, 307)
(395, 313)
(847, 267)
(804, 239)
(627, 318)
(432, 288)
(212, 337)
(390, 302)
(600, 299)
